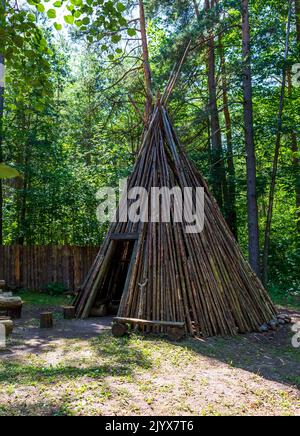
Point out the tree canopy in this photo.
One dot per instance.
(74, 103)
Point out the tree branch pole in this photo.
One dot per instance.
(277, 151)
(253, 229)
(146, 63)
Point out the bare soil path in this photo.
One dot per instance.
(78, 368)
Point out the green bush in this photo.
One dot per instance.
(55, 289)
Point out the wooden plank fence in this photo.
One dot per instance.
(35, 267)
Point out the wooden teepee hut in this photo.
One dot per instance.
(158, 271)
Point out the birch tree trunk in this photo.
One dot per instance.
(253, 229)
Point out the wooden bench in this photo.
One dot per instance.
(175, 330)
(11, 306)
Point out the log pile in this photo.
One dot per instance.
(199, 279)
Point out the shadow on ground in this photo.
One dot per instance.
(270, 356)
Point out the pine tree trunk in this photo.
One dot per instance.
(276, 156)
(218, 168)
(230, 206)
(295, 161)
(1, 142)
(2, 71)
(295, 147)
(253, 228)
(146, 62)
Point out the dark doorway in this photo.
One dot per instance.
(111, 290)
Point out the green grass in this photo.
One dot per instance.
(150, 375)
(285, 298)
(40, 299)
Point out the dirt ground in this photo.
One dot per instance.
(78, 368)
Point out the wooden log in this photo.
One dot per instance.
(149, 323)
(12, 306)
(8, 324)
(119, 330)
(46, 321)
(69, 312)
(2, 285)
(10, 303)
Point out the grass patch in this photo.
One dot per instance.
(247, 374)
(40, 299)
(285, 298)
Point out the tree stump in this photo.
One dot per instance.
(2, 285)
(119, 330)
(8, 324)
(46, 321)
(69, 312)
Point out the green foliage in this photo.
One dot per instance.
(55, 289)
(69, 126)
(42, 299)
(7, 172)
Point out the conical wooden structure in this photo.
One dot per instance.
(157, 271)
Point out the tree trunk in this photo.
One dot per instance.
(295, 162)
(249, 141)
(146, 62)
(276, 156)
(230, 206)
(218, 168)
(196, 7)
(2, 72)
(1, 140)
(296, 168)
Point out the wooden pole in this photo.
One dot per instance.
(146, 63)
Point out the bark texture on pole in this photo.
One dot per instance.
(146, 63)
(276, 155)
(253, 229)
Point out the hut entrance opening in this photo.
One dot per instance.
(115, 280)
